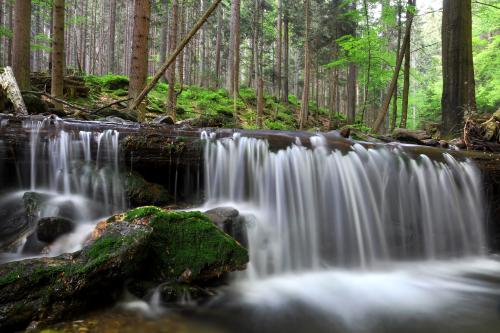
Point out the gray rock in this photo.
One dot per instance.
(229, 220)
(164, 120)
(51, 228)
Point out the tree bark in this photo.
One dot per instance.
(458, 66)
(112, 28)
(279, 42)
(57, 85)
(407, 68)
(21, 43)
(234, 50)
(139, 63)
(352, 74)
(286, 53)
(395, 97)
(304, 108)
(260, 102)
(218, 47)
(172, 42)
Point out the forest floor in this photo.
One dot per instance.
(216, 104)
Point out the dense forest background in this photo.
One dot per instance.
(344, 52)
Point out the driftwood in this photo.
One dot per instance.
(9, 85)
(483, 136)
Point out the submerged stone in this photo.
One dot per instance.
(51, 228)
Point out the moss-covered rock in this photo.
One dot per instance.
(147, 243)
(141, 192)
(49, 289)
(187, 246)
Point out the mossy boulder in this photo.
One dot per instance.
(50, 289)
(141, 192)
(116, 83)
(145, 244)
(187, 246)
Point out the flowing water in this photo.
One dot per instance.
(372, 240)
(76, 175)
(369, 240)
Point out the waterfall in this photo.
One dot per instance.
(76, 174)
(321, 208)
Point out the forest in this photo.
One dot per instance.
(219, 166)
(372, 65)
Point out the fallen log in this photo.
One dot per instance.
(9, 84)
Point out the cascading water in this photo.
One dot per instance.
(75, 174)
(367, 240)
(325, 208)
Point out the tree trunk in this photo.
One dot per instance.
(234, 50)
(57, 84)
(11, 27)
(458, 67)
(395, 97)
(172, 43)
(387, 101)
(218, 47)
(279, 42)
(304, 108)
(260, 102)
(351, 78)
(406, 87)
(112, 26)
(21, 43)
(139, 62)
(286, 54)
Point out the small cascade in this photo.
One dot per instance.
(76, 175)
(320, 208)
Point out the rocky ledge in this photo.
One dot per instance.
(145, 244)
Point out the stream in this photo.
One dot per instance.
(369, 240)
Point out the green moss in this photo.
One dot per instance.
(10, 277)
(141, 212)
(189, 240)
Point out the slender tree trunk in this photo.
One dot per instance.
(387, 100)
(351, 79)
(172, 42)
(11, 28)
(368, 70)
(279, 43)
(218, 47)
(395, 97)
(458, 66)
(406, 84)
(139, 63)
(260, 102)
(112, 26)
(21, 44)
(58, 51)
(286, 54)
(304, 109)
(234, 50)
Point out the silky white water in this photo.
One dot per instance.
(372, 240)
(77, 175)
